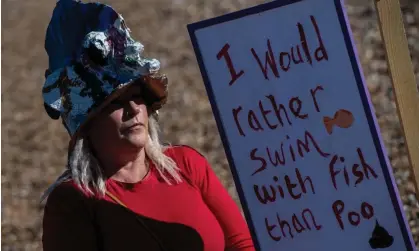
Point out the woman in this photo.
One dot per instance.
(122, 189)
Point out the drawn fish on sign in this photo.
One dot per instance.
(342, 118)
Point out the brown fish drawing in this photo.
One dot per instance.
(343, 119)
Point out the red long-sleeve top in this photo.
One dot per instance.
(195, 215)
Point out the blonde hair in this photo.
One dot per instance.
(85, 171)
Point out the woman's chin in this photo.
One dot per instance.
(137, 141)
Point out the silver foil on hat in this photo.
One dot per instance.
(107, 60)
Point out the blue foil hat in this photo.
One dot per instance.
(92, 60)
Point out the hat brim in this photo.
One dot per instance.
(155, 94)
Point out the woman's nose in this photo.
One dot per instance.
(134, 108)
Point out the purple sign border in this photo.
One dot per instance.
(363, 91)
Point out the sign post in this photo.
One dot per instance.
(403, 78)
(298, 128)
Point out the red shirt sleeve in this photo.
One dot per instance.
(67, 224)
(219, 201)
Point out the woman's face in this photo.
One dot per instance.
(123, 123)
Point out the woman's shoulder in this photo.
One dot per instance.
(67, 205)
(68, 187)
(64, 193)
(185, 154)
(189, 160)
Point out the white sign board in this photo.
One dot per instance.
(298, 128)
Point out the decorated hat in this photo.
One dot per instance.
(92, 60)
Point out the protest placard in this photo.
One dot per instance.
(298, 128)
